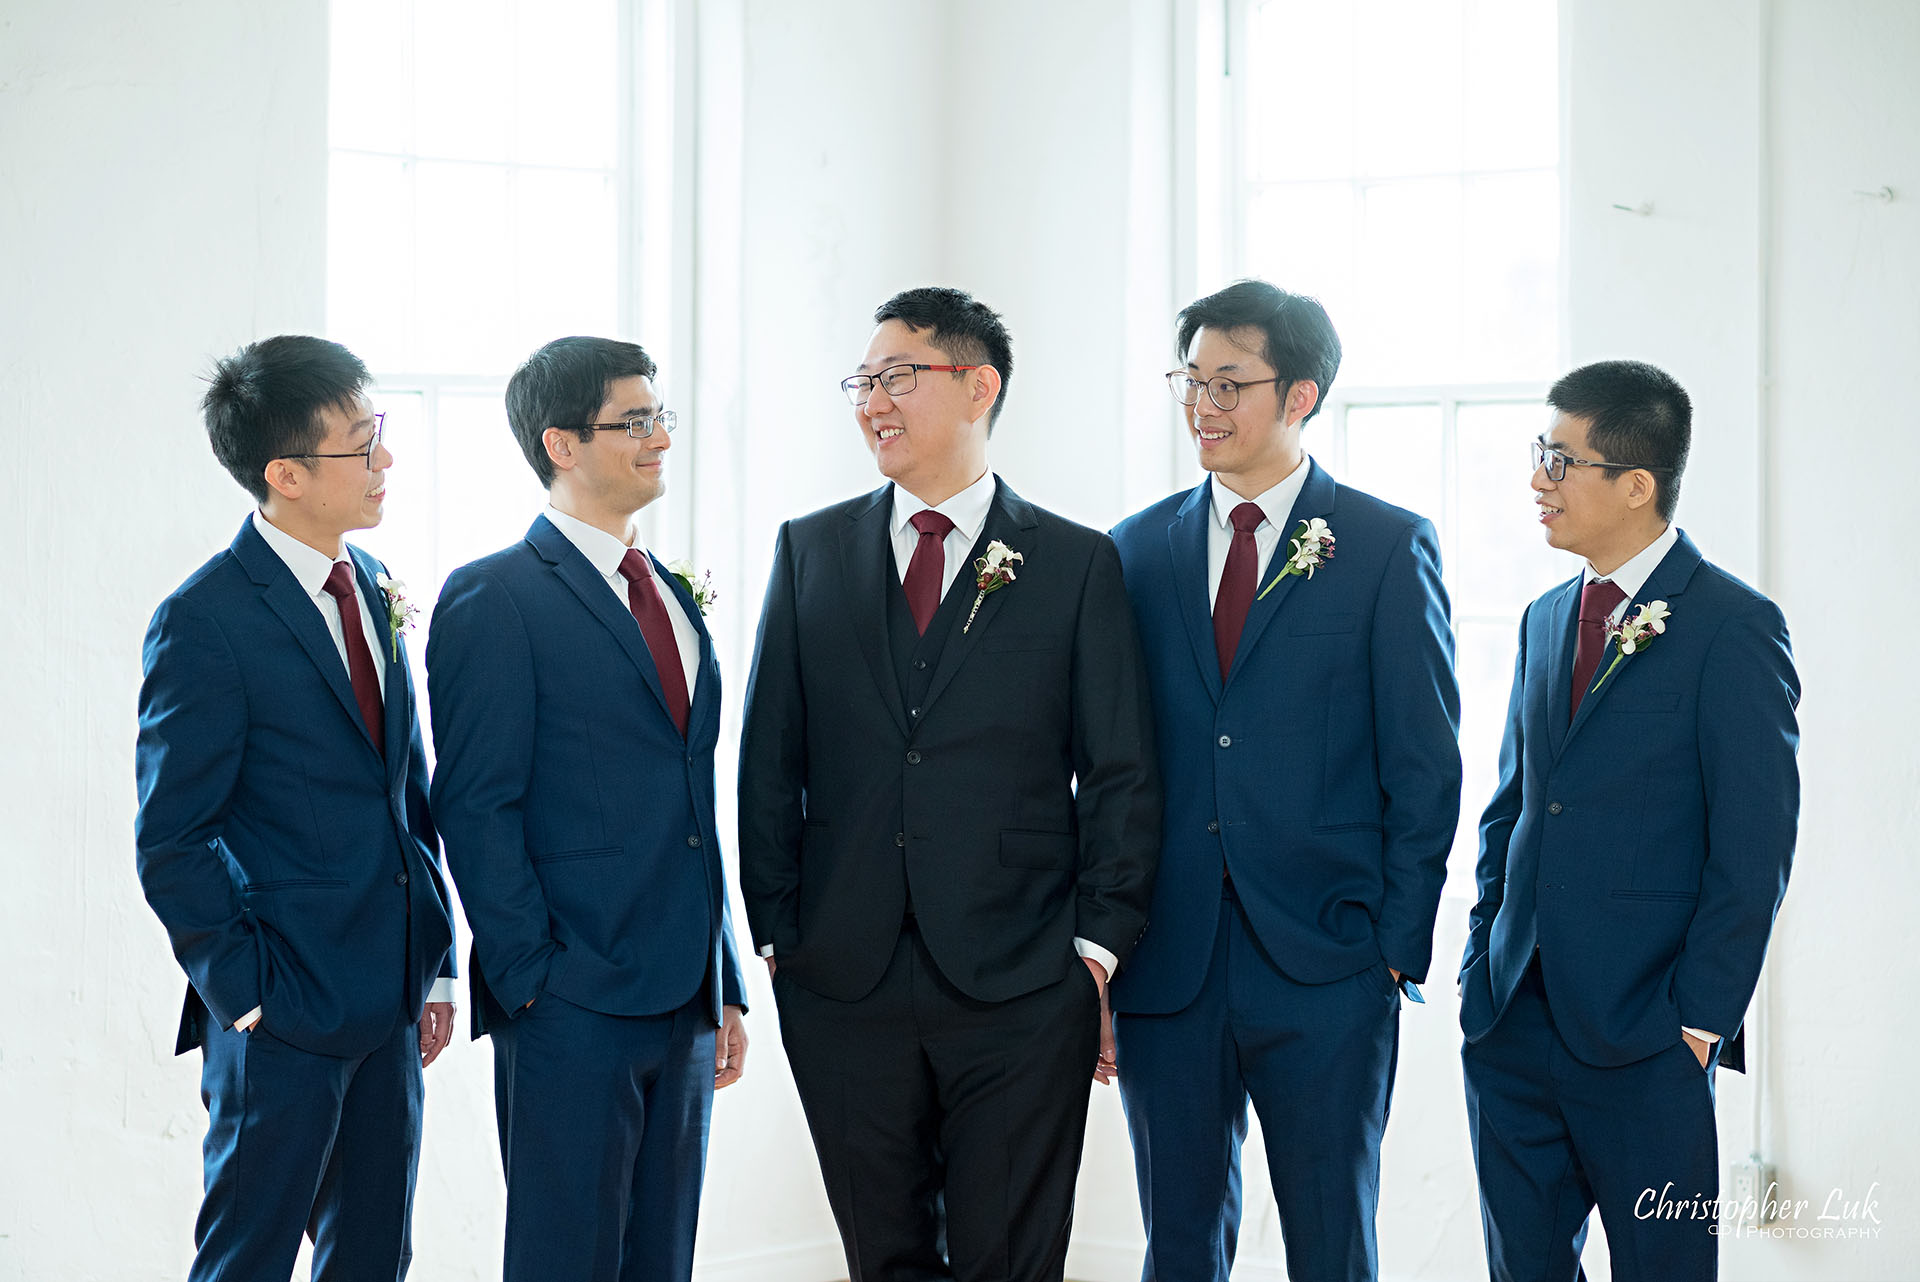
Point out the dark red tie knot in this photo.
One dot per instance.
(339, 583)
(928, 521)
(634, 566)
(1246, 518)
(1599, 599)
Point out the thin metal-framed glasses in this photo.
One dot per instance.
(894, 380)
(638, 426)
(1222, 391)
(1556, 463)
(373, 443)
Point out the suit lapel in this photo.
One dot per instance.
(1667, 582)
(1008, 519)
(866, 567)
(574, 570)
(397, 697)
(707, 670)
(1316, 499)
(1187, 546)
(283, 595)
(1563, 632)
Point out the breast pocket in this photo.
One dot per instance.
(1639, 701)
(1319, 623)
(1018, 642)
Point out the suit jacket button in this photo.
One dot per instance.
(1554, 808)
(399, 879)
(913, 712)
(899, 838)
(913, 757)
(1213, 825)
(919, 665)
(694, 842)
(1226, 741)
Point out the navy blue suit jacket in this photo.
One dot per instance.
(1644, 848)
(291, 865)
(579, 824)
(1324, 773)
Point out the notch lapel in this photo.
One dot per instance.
(706, 668)
(396, 698)
(1667, 582)
(1187, 547)
(1563, 624)
(866, 568)
(1007, 519)
(1316, 499)
(574, 570)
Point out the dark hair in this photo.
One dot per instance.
(264, 402)
(564, 384)
(1635, 413)
(965, 329)
(1299, 339)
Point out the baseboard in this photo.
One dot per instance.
(822, 1261)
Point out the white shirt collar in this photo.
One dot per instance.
(603, 552)
(967, 509)
(1277, 502)
(1632, 576)
(310, 566)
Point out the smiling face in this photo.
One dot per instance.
(931, 441)
(1255, 445)
(318, 500)
(1603, 515)
(610, 475)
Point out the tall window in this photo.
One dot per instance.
(1399, 160)
(476, 210)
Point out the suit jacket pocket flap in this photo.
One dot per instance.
(1038, 849)
(1317, 623)
(558, 856)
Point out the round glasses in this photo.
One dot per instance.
(1223, 392)
(894, 380)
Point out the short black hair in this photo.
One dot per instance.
(1299, 340)
(965, 329)
(264, 402)
(564, 384)
(1636, 413)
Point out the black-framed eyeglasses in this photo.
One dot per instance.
(1222, 391)
(1556, 463)
(894, 380)
(373, 443)
(638, 426)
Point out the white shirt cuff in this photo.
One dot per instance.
(765, 950)
(1702, 1034)
(1094, 952)
(246, 1022)
(442, 989)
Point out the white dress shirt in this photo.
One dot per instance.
(310, 568)
(1630, 578)
(604, 553)
(1277, 503)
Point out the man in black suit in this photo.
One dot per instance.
(949, 814)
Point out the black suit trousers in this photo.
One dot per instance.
(949, 1130)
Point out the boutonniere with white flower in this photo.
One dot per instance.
(1310, 548)
(1632, 635)
(400, 611)
(701, 589)
(991, 573)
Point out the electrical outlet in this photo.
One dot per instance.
(1753, 1192)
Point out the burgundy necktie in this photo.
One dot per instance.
(927, 571)
(1598, 600)
(1237, 582)
(366, 681)
(643, 598)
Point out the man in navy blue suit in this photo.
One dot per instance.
(1632, 858)
(284, 841)
(1307, 717)
(576, 704)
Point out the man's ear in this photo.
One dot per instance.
(561, 445)
(1302, 396)
(285, 478)
(986, 390)
(1642, 488)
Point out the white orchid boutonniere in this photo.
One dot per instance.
(400, 612)
(701, 589)
(991, 572)
(1310, 548)
(1632, 635)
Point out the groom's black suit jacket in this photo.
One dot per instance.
(1005, 793)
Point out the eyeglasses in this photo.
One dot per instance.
(638, 426)
(373, 443)
(894, 380)
(1223, 392)
(1557, 463)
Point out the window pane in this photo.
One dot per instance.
(1395, 452)
(1484, 654)
(564, 262)
(1506, 562)
(1299, 62)
(1511, 294)
(488, 492)
(566, 81)
(1409, 267)
(1406, 87)
(370, 258)
(463, 85)
(1512, 117)
(371, 87)
(1300, 237)
(464, 303)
